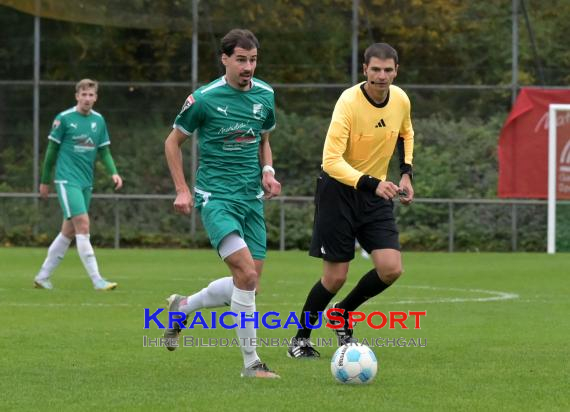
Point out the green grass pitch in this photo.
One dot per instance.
(497, 331)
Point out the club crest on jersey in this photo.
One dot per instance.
(55, 124)
(257, 110)
(189, 102)
(93, 126)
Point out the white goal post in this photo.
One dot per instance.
(553, 110)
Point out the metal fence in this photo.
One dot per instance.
(34, 90)
(509, 207)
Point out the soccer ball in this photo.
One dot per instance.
(354, 363)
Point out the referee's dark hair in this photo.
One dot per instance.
(238, 38)
(380, 51)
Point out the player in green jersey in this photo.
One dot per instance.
(77, 136)
(233, 116)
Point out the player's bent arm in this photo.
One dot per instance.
(406, 141)
(406, 153)
(271, 186)
(174, 159)
(265, 153)
(338, 168)
(334, 163)
(405, 156)
(336, 144)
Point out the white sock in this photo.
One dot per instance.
(87, 256)
(56, 252)
(244, 301)
(217, 293)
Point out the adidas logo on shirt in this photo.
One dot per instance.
(380, 124)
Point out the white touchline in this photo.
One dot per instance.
(489, 296)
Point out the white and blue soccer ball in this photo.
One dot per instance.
(354, 363)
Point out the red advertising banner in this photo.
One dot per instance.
(523, 146)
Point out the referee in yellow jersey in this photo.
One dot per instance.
(354, 199)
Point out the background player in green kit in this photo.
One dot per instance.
(233, 115)
(77, 136)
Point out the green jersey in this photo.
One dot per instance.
(229, 123)
(79, 136)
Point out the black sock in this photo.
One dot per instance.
(317, 300)
(367, 287)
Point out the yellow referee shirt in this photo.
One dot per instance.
(363, 134)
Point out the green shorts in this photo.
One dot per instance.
(221, 217)
(74, 200)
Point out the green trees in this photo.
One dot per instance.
(441, 42)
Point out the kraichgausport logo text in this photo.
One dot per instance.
(273, 320)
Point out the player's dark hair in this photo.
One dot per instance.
(238, 38)
(381, 51)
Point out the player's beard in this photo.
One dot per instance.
(244, 79)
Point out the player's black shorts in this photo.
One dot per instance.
(343, 214)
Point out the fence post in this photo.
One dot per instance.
(451, 234)
(117, 224)
(281, 224)
(36, 113)
(514, 239)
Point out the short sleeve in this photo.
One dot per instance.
(269, 123)
(190, 116)
(105, 139)
(57, 129)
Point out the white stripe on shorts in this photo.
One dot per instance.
(64, 198)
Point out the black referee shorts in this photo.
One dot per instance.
(343, 214)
